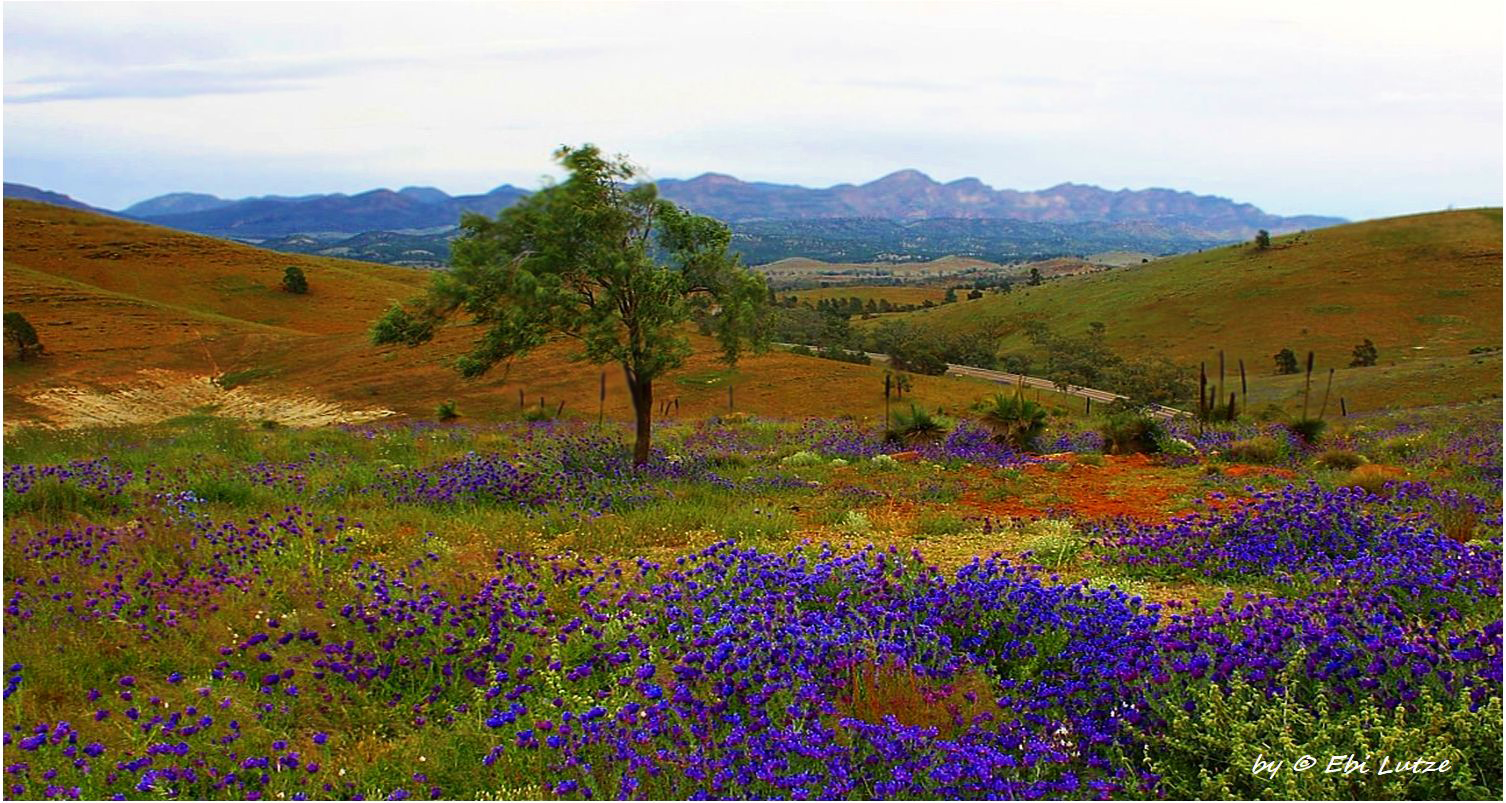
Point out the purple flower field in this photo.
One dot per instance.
(339, 620)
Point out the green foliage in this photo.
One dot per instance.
(293, 280)
(802, 459)
(940, 524)
(1209, 753)
(20, 334)
(234, 379)
(1365, 355)
(1341, 459)
(1015, 420)
(1261, 449)
(603, 261)
(446, 411)
(1286, 362)
(1308, 429)
(54, 500)
(1035, 277)
(1087, 361)
(1262, 239)
(918, 425)
(1052, 542)
(539, 413)
(854, 522)
(1152, 380)
(843, 355)
(1132, 432)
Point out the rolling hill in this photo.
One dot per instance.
(132, 315)
(1425, 288)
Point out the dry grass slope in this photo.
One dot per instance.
(111, 299)
(1425, 288)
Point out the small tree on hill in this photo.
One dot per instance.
(974, 295)
(594, 259)
(1262, 239)
(22, 335)
(293, 280)
(950, 297)
(1365, 354)
(1286, 362)
(1035, 277)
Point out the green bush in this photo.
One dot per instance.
(1052, 542)
(1132, 432)
(802, 459)
(293, 280)
(1015, 420)
(917, 426)
(1260, 449)
(1210, 751)
(447, 411)
(1341, 459)
(1308, 429)
(929, 524)
(53, 500)
(20, 334)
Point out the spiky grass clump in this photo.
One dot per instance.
(1015, 420)
(917, 426)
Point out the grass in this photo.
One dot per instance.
(935, 509)
(1324, 291)
(104, 320)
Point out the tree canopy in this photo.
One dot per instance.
(597, 259)
(20, 333)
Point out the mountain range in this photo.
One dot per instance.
(770, 221)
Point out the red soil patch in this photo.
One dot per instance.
(1259, 471)
(1130, 486)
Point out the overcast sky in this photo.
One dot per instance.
(1353, 109)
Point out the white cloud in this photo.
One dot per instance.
(1347, 109)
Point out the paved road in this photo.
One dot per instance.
(1003, 378)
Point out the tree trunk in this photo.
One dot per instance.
(642, 392)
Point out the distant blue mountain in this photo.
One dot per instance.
(272, 216)
(26, 192)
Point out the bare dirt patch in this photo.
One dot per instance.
(157, 395)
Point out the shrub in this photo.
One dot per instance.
(1342, 459)
(1308, 429)
(1132, 432)
(854, 522)
(940, 524)
(1373, 477)
(1365, 354)
(446, 411)
(1052, 542)
(1456, 520)
(1260, 449)
(1015, 420)
(802, 459)
(1286, 362)
(916, 426)
(20, 334)
(293, 280)
(1262, 239)
(844, 355)
(1207, 746)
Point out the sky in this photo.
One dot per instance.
(1360, 110)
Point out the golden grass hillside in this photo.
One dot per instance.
(1426, 289)
(123, 307)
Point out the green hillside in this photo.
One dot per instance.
(1425, 288)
